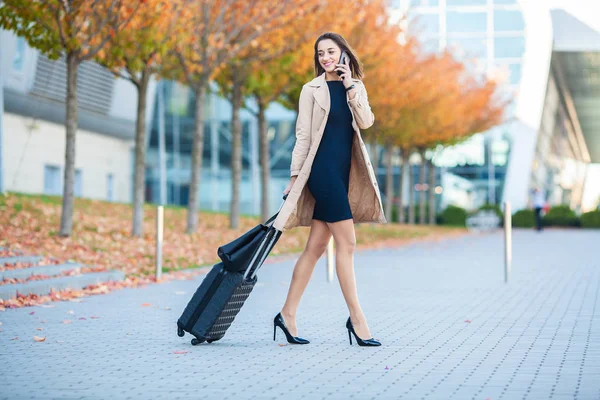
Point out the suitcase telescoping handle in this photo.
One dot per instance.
(271, 220)
(265, 246)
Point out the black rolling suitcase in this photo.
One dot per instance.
(223, 292)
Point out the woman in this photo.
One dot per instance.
(332, 182)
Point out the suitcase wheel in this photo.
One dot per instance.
(196, 342)
(180, 332)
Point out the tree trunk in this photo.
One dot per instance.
(265, 159)
(411, 191)
(431, 192)
(139, 175)
(236, 149)
(389, 183)
(401, 175)
(197, 149)
(375, 156)
(66, 218)
(422, 191)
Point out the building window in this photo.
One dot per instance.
(78, 188)
(425, 3)
(508, 21)
(19, 60)
(110, 187)
(509, 47)
(52, 180)
(510, 73)
(514, 73)
(430, 46)
(468, 47)
(466, 2)
(424, 24)
(466, 22)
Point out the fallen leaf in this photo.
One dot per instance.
(15, 338)
(180, 352)
(94, 317)
(39, 338)
(146, 305)
(468, 321)
(31, 313)
(39, 329)
(82, 318)
(66, 321)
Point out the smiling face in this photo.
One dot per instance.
(328, 54)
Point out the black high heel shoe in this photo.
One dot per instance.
(278, 322)
(361, 342)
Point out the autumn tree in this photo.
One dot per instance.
(234, 80)
(467, 106)
(136, 54)
(212, 34)
(78, 30)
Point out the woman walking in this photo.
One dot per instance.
(332, 184)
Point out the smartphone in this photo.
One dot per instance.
(344, 59)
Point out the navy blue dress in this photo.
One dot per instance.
(330, 173)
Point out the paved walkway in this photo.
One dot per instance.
(450, 327)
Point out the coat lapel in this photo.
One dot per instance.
(321, 94)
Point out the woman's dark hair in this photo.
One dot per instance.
(356, 66)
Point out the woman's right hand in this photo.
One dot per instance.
(289, 186)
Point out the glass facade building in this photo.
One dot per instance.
(215, 181)
(489, 36)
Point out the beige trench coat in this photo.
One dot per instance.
(363, 192)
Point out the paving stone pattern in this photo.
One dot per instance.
(450, 327)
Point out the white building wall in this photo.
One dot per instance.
(27, 151)
(530, 103)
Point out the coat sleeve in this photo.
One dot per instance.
(361, 108)
(303, 126)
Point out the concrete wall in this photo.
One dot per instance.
(27, 151)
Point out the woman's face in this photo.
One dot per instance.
(328, 53)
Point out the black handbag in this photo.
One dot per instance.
(236, 255)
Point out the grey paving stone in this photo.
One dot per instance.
(538, 335)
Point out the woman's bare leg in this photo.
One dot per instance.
(315, 246)
(345, 243)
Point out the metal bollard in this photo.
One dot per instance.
(159, 240)
(330, 260)
(507, 240)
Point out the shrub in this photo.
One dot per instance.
(453, 215)
(560, 216)
(523, 219)
(590, 219)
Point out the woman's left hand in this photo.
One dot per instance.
(346, 75)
